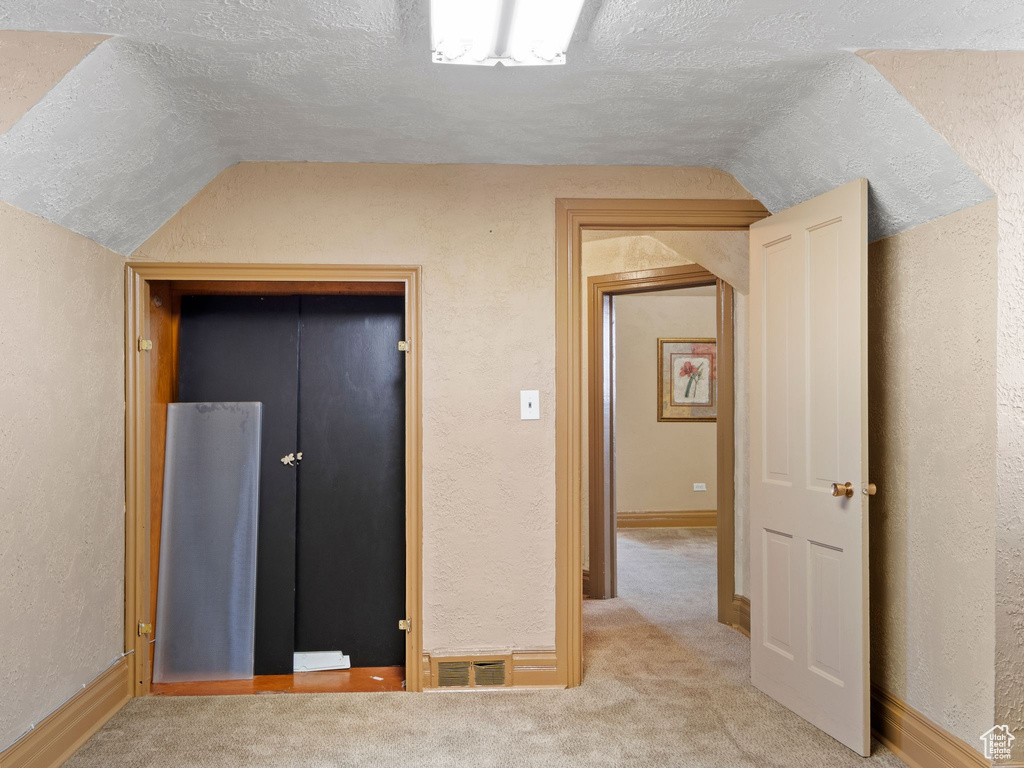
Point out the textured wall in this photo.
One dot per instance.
(974, 100)
(31, 63)
(62, 485)
(485, 238)
(657, 462)
(932, 372)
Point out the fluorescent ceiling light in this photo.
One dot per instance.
(510, 32)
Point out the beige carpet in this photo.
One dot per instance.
(665, 685)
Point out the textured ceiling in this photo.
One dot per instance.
(767, 90)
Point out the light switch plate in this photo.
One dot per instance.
(529, 404)
(700, 486)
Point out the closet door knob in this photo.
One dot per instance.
(289, 459)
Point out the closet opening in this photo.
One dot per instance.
(337, 551)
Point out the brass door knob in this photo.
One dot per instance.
(869, 490)
(842, 489)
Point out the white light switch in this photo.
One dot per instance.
(700, 486)
(529, 404)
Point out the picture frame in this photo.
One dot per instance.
(687, 379)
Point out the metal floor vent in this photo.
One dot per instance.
(489, 673)
(453, 674)
(470, 674)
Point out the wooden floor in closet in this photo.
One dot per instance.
(361, 680)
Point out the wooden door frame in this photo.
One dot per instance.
(572, 216)
(137, 433)
(602, 540)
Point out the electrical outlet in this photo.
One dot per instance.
(700, 486)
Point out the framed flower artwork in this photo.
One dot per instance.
(687, 380)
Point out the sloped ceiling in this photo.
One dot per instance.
(31, 63)
(768, 90)
(725, 254)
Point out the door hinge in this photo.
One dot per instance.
(404, 346)
(145, 629)
(145, 345)
(405, 625)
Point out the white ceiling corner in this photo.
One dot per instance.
(768, 90)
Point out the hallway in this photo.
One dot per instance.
(665, 685)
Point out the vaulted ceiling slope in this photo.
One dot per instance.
(768, 90)
(31, 63)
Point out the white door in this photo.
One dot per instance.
(808, 430)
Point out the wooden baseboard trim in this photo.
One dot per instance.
(525, 669)
(915, 739)
(741, 614)
(57, 737)
(535, 669)
(684, 518)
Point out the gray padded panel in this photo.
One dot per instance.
(206, 601)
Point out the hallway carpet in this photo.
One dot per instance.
(664, 685)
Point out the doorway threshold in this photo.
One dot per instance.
(358, 680)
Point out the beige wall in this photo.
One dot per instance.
(485, 238)
(62, 484)
(974, 100)
(657, 462)
(931, 365)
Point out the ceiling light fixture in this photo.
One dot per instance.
(510, 32)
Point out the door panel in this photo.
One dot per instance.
(778, 593)
(775, 342)
(350, 583)
(823, 322)
(808, 407)
(825, 617)
(245, 349)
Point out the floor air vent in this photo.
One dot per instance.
(453, 674)
(471, 672)
(489, 673)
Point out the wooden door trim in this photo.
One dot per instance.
(572, 216)
(290, 288)
(603, 525)
(138, 276)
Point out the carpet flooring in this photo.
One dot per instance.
(664, 685)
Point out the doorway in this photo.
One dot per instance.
(572, 217)
(330, 548)
(156, 365)
(653, 462)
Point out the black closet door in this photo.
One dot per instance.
(246, 349)
(350, 582)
